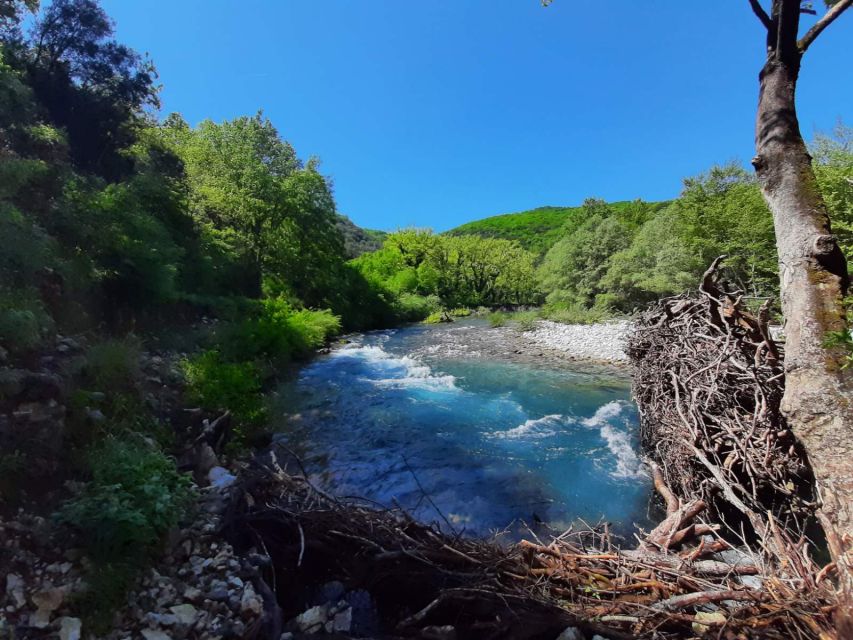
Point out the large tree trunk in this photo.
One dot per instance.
(818, 401)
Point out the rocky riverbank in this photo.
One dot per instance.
(547, 343)
(196, 587)
(603, 342)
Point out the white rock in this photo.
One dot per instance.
(185, 613)
(15, 588)
(342, 622)
(570, 633)
(70, 628)
(312, 618)
(250, 602)
(604, 342)
(220, 478)
(155, 634)
(162, 619)
(192, 594)
(40, 619)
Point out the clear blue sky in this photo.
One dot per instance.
(436, 112)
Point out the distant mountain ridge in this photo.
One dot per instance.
(358, 240)
(537, 229)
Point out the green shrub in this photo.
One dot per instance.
(567, 313)
(526, 320)
(24, 323)
(461, 312)
(314, 328)
(497, 319)
(843, 340)
(438, 317)
(219, 385)
(277, 331)
(107, 586)
(135, 496)
(411, 307)
(125, 413)
(113, 365)
(25, 249)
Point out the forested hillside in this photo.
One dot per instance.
(358, 240)
(537, 229)
(617, 257)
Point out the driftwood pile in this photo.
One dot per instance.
(708, 382)
(731, 559)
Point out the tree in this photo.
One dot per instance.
(92, 86)
(273, 214)
(12, 12)
(236, 170)
(818, 400)
(573, 268)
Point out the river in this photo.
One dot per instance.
(450, 423)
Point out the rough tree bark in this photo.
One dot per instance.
(818, 401)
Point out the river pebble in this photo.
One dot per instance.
(604, 342)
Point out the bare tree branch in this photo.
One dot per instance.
(759, 11)
(836, 10)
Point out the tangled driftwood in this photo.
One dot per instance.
(708, 383)
(731, 559)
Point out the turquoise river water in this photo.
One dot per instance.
(465, 436)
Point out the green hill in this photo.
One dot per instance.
(358, 240)
(537, 229)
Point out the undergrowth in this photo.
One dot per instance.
(134, 497)
(497, 319)
(567, 313)
(218, 385)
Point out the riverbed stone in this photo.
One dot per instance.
(15, 590)
(70, 628)
(184, 613)
(313, 619)
(251, 603)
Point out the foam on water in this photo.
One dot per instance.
(628, 464)
(604, 413)
(533, 428)
(390, 371)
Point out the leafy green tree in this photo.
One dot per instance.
(573, 268)
(89, 84)
(307, 253)
(255, 198)
(725, 213)
(661, 260)
(833, 167)
(465, 270)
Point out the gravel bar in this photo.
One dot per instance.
(601, 342)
